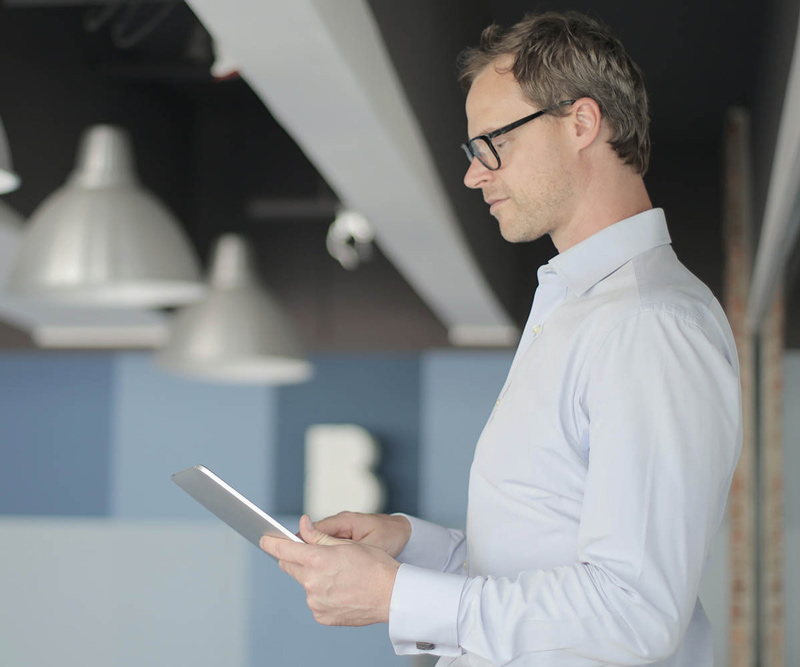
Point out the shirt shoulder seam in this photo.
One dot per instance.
(676, 313)
(662, 305)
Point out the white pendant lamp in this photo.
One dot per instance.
(238, 333)
(11, 224)
(102, 240)
(9, 219)
(9, 180)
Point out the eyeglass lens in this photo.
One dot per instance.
(480, 148)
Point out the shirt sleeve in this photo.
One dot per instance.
(664, 412)
(433, 547)
(433, 569)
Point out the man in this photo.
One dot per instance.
(601, 477)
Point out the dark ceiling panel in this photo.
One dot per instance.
(207, 149)
(210, 149)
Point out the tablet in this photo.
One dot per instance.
(229, 505)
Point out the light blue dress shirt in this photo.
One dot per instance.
(600, 478)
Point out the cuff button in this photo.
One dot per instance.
(425, 646)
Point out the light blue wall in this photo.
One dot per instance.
(458, 391)
(714, 592)
(380, 392)
(55, 412)
(100, 592)
(163, 423)
(122, 426)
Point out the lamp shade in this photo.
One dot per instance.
(10, 220)
(238, 333)
(11, 224)
(8, 178)
(102, 240)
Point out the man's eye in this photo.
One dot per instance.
(499, 144)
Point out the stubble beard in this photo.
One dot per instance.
(523, 228)
(537, 215)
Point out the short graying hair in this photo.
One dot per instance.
(567, 56)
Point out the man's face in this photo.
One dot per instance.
(531, 194)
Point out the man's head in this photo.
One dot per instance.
(556, 57)
(591, 137)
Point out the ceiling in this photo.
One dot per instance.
(216, 155)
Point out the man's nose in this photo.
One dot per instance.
(476, 175)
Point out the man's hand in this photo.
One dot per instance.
(388, 533)
(346, 583)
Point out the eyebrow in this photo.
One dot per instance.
(491, 129)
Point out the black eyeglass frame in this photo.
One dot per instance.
(487, 138)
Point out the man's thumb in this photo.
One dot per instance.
(313, 536)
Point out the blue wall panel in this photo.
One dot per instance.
(95, 434)
(377, 392)
(55, 416)
(458, 391)
(164, 423)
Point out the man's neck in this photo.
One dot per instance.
(606, 200)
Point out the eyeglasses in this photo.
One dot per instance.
(481, 147)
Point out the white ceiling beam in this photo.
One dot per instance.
(323, 71)
(781, 222)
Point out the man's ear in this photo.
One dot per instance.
(586, 121)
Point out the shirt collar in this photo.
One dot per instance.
(585, 264)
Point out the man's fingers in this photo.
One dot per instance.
(292, 569)
(271, 546)
(338, 525)
(312, 534)
(296, 552)
(283, 549)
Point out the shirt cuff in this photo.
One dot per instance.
(423, 613)
(429, 546)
